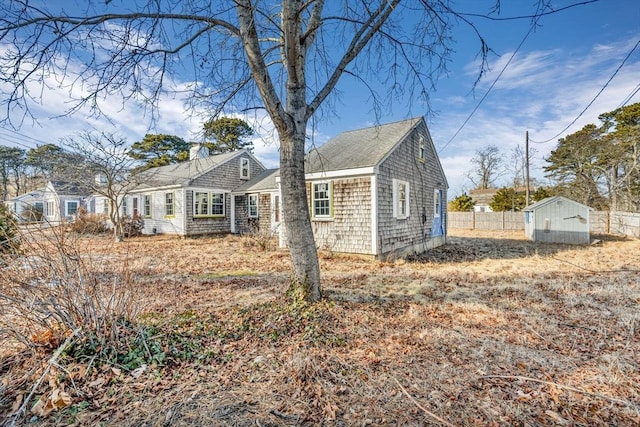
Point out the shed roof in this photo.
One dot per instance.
(266, 180)
(549, 200)
(359, 148)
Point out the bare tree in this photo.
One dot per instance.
(517, 164)
(106, 171)
(487, 167)
(288, 55)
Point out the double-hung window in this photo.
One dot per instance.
(322, 200)
(169, 204)
(245, 171)
(400, 199)
(437, 203)
(421, 149)
(123, 205)
(147, 206)
(253, 206)
(217, 204)
(206, 203)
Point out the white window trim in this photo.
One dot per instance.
(396, 202)
(210, 194)
(329, 198)
(173, 204)
(245, 165)
(66, 207)
(249, 205)
(437, 203)
(144, 206)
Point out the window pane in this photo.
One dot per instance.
(253, 205)
(168, 204)
(217, 204)
(201, 200)
(321, 202)
(402, 199)
(72, 208)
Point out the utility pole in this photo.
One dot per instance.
(526, 167)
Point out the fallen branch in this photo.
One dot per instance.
(426, 411)
(566, 387)
(52, 361)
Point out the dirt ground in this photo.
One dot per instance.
(488, 330)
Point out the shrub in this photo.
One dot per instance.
(263, 239)
(9, 243)
(88, 223)
(52, 288)
(132, 226)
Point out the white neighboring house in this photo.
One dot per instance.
(62, 200)
(28, 207)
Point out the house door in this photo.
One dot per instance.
(135, 212)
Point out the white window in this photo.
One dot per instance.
(217, 204)
(124, 206)
(253, 206)
(437, 203)
(400, 199)
(51, 208)
(105, 206)
(244, 168)
(207, 203)
(147, 206)
(71, 207)
(169, 204)
(135, 208)
(421, 148)
(322, 200)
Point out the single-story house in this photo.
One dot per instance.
(62, 200)
(557, 220)
(378, 191)
(192, 197)
(28, 207)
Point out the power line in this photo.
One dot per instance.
(533, 25)
(594, 98)
(629, 97)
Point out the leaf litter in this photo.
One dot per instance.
(489, 330)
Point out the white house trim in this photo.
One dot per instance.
(374, 215)
(340, 173)
(232, 205)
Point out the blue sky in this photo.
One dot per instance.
(557, 72)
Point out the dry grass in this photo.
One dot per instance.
(488, 330)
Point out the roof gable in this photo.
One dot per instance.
(549, 200)
(360, 148)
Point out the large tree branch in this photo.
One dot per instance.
(358, 43)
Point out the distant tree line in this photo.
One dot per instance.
(599, 166)
(88, 154)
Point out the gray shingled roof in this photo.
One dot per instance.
(266, 180)
(182, 173)
(358, 148)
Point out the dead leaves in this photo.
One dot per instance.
(51, 401)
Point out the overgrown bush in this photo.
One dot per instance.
(89, 223)
(132, 226)
(9, 243)
(262, 239)
(53, 288)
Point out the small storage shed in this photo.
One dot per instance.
(557, 220)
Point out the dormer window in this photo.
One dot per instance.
(244, 168)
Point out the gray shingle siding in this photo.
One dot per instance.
(350, 228)
(395, 236)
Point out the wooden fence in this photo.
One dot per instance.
(627, 223)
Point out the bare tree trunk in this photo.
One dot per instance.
(299, 233)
